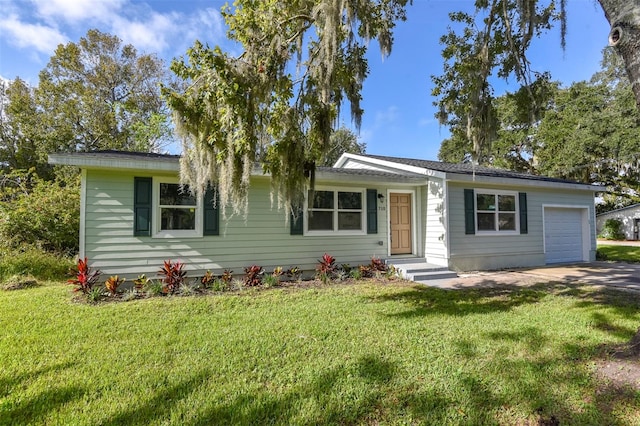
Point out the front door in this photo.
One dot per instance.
(400, 217)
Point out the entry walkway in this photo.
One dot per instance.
(615, 275)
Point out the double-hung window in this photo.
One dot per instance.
(339, 210)
(178, 211)
(496, 211)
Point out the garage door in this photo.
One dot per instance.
(563, 235)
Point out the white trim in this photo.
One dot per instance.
(388, 164)
(336, 232)
(83, 214)
(586, 227)
(414, 214)
(445, 206)
(156, 217)
(111, 163)
(495, 192)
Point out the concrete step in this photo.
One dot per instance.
(416, 269)
(435, 275)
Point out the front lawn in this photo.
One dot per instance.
(619, 253)
(370, 353)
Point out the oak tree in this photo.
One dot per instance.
(280, 98)
(101, 94)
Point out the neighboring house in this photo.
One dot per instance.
(133, 217)
(629, 216)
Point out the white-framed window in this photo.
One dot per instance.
(178, 212)
(496, 211)
(336, 210)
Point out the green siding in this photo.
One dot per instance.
(263, 238)
(476, 252)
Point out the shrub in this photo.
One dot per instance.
(28, 260)
(253, 275)
(294, 273)
(43, 214)
(130, 294)
(601, 255)
(85, 277)
(154, 288)
(326, 268)
(227, 276)
(207, 279)
(220, 285)
(271, 280)
(378, 264)
(355, 273)
(19, 282)
(95, 294)
(112, 284)
(189, 289)
(612, 230)
(173, 276)
(140, 283)
(366, 271)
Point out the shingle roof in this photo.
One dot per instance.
(117, 155)
(467, 169)
(632, 206)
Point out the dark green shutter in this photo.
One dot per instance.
(524, 228)
(372, 211)
(211, 214)
(296, 222)
(469, 212)
(142, 208)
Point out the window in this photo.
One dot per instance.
(335, 211)
(177, 208)
(496, 211)
(177, 211)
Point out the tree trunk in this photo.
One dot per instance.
(624, 18)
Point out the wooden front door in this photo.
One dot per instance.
(400, 216)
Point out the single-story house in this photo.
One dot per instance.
(457, 216)
(629, 216)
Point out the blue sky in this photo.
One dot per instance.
(399, 115)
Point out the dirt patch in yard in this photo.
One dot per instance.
(620, 367)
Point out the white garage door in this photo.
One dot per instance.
(563, 235)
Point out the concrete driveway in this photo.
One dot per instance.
(623, 276)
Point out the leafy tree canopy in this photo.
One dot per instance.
(342, 141)
(588, 132)
(281, 97)
(101, 94)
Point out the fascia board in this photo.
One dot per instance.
(452, 177)
(389, 164)
(95, 163)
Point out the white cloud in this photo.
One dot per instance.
(38, 26)
(78, 10)
(149, 35)
(426, 121)
(43, 38)
(206, 25)
(387, 116)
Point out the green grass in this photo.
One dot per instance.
(348, 354)
(620, 253)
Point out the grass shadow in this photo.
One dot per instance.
(425, 301)
(7, 383)
(267, 407)
(33, 410)
(160, 404)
